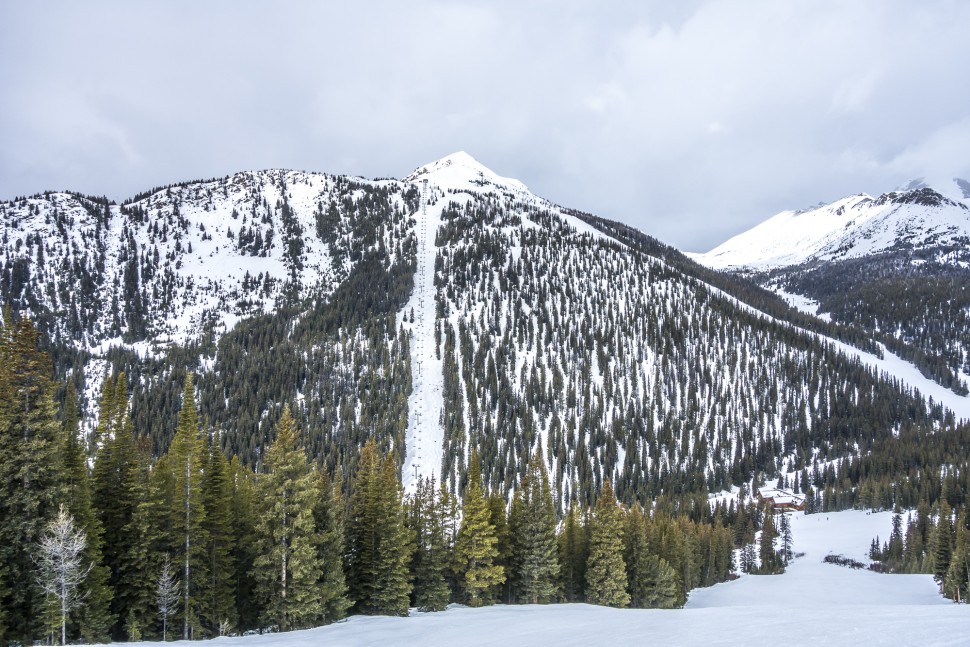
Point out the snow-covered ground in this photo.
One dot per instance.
(813, 603)
(424, 435)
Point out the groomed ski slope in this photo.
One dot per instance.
(813, 603)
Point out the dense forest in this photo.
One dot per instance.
(190, 542)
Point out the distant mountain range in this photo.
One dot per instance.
(454, 308)
(897, 265)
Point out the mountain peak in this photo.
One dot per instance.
(461, 171)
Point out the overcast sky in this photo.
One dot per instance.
(690, 120)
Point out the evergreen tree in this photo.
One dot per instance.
(769, 558)
(606, 582)
(379, 543)
(786, 538)
(31, 473)
(499, 516)
(118, 488)
(636, 553)
(660, 585)
(426, 512)
(533, 532)
(395, 546)
(573, 554)
(287, 567)
(150, 542)
(942, 543)
(186, 461)
(244, 543)
(218, 606)
(475, 550)
(956, 580)
(92, 619)
(328, 517)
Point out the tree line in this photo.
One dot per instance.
(190, 542)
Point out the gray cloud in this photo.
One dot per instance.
(689, 120)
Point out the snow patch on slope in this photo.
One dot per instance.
(852, 227)
(425, 404)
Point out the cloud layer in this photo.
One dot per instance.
(689, 120)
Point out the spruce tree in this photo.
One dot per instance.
(766, 550)
(363, 577)
(636, 553)
(942, 543)
(91, 620)
(328, 517)
(475, 550)
(118, 488)
(244, 543)
(186, 459)
(606, 582)
(218, 607)
(573, 553)
(957, 574)
(31, 473)
(426, 512)
(533, 532)
(379, 544)
(395, 546)
(660, 584)
(287, 567)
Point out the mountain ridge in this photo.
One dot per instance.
(470, 313)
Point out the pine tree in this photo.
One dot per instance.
(186, 460)
(573, 553)
(955, 581)
(395, 546)
(119, 487)
(427, 523)
(93, 618)
(942, 543)
(533, 532)
(636, 554)
(769, 558)
(244, 543)
(287, 567)
(786, 538)
(218, 607)
(31, 473)
(328, 517)
(606, 582)
(475, 550)
(150, 541)
(660, 584)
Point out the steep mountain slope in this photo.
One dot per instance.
(853, 227)
(897, 266)
(450, 309)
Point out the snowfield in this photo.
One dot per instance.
(813, 603)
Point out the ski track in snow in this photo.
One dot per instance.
(812, 603)
(425, 434)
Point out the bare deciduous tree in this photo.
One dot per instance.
(167, 593)
(60, 565)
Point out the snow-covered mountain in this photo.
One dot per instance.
(917, 217)
(450, 309)
(896, 266)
